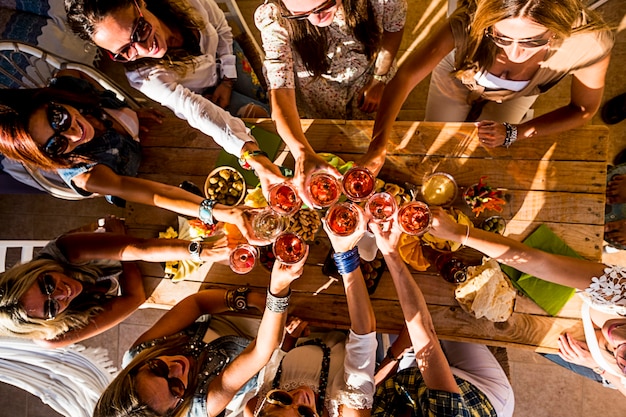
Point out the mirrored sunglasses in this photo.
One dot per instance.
(284, 399)
(60, 121)
(329, 4)
(47, 285)
(160, 369)
(503, 41)
(140, 33)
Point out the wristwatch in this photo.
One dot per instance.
(195, 249)
(391, 356)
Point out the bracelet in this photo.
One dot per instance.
(195, 250)
(237, 300)
(599, 370)
(277, 304)
(347, 261)
(385, 78)
(466, 236)
(511, 134)
(391, 357)
(205, 213)
(243, 161)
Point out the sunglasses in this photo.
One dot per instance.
(328, 4)
(160, 369)
(503, 41)
(60, 121)
(48, 285)
(141, 32)
(284, 399)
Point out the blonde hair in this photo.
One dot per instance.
(16, 281)
(563, 18)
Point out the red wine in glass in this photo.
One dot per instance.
(243, 258)
(381, 206)
(283, 199)
(358, 184)
(414, 218)
(323, 189)
(289, 248)
(342, 218)
(268, 224)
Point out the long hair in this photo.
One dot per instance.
(16, 108)
(558, 16)
(84, 15)
(311, 43)
(120, 398)
(16, 281)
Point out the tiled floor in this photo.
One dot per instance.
(541, 388)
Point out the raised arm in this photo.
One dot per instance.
(429, 356)
(559, 269)
(115, 309)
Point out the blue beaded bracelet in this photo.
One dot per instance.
(205, 213)
(347, 261)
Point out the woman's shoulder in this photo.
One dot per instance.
(266, 14)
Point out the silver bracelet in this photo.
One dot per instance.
(277, 304)
(511, 134)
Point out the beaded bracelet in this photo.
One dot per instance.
(243, 161)
(237, 300)
(347, 261)
(511, 134)
(277, 304)
(205, 213)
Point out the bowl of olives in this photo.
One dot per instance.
(495, 224)
(226, 186)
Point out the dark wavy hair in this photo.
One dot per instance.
(311, 41)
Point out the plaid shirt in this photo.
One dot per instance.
(407, 390)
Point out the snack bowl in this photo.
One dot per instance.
(439, 189)
(495, 224)
(226, 185)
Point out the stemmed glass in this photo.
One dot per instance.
(323, 190)
(358, 184)
(283, 199)
(414, 218)
(268, 224)
(243, 258)
(289, 248)
(381, 207)
(342, 218)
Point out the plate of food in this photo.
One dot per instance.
(226, 185)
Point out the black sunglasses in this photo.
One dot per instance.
(285, 400)
(60, 121)
(141, 32)
(176, 386)
(524, 43)
(329, 4)
(47, 285)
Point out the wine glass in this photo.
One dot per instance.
(289, 248)
(414, 218)
(243, 258)
(283, 199)
(323, 189)
(358, 184)
(342, 218)
(439, 189)
(268, 224)
(381, 206)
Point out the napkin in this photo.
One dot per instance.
(268, 142)
(547, 295)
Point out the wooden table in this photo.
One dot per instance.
(558, 180)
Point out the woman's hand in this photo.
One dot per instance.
(575, 351)
(284, 274)
(491, 134)
(442, 226)
(387, 236)
(221, 94)
(294, 329)
(374, 159)
(370, 95)
(113, 224)
(306, 165)
(240, 216)
(346, 243)
(216, 250)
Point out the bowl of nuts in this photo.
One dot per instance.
(226, 186)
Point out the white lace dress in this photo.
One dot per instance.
(350, 377)
(607, 293)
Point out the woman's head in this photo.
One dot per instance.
(614, 332)
(37, 300)
(42, 128)
(155, 383)
(299, 402)
(522, 28)
(318, 12)
(133, 29)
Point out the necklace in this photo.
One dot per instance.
(323, 382)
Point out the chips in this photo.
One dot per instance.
(410, 249)
(447, 245)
